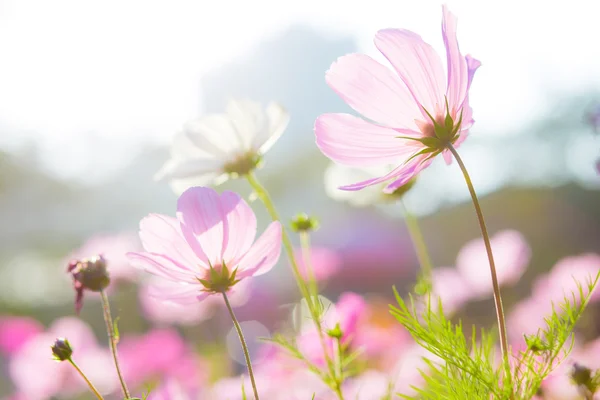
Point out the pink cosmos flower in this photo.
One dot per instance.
(15, 332)
(325, 262)
(450, 287)
(208, 247)
(511, 253)
(416, 112)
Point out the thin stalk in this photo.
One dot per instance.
(263, 194)
(85, 378)
(238, 328)
(416, 236)
(112, 341)
(339, 369)
(488, 248)
(310, 272)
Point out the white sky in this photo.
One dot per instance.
(80, 77)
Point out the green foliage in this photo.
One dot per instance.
(461, 368)
(551, 344)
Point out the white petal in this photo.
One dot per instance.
(278, 120)
(338, 175)
(181, 185)
(190, 168)
(216, 135)
(248, 119)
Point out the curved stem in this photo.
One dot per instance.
(112, 340)
(310, 272)
(263, 194)
(488, 248)
(90, 384)
(238, 328)
(416, 236)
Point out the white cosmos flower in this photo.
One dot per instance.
(212, 148)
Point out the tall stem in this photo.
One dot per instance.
(310, 272)
(416, 236)
(263, 194)
(112, 340)
(238, 328)
(488, 248)
(85, 378)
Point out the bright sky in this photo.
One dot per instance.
(83, 77)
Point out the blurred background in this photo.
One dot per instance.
(91, 94)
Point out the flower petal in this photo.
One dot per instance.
(263, 255)
(215, 134)
(241, 225)
(161, 265)
(472, 65)
(411, 169)
(181, 185)
(177, 293)
(248, 120)
(278, 120)
(161, 234)
(457, 64)
(352, 141)
(418, 65)
(189, 168)
(203, 222)
(403, 172)
(373, 90)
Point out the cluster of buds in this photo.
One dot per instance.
(88, 274)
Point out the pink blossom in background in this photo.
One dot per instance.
(527, 317)
(401, 104)
(451, 288)
(114, 249)
(37, 376)
(160, 354)
(325, 262)
(15, 332)
(511, 254)
(370, 385)
(562, 280)
(210, 230)
(171, 389)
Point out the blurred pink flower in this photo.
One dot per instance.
(212, 232)
(562, 280)
(451, 288)
(37, 376)
(511, 253)
(416, 112)
(325, 262)
(370, 385)
(15, 332)
(171, 389)
(114, 249)
(160, 354)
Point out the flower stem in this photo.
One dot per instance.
(488, 248)
(238, 328)
(263, 194)
(310, 272)
(416, 236)
(85, 378)
(339, 368)
(112, 340)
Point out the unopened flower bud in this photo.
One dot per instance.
(303, 223)
(88, 274)
(61, 349)
(336, 332)
(581, 375)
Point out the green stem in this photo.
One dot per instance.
(112, 340)
(263, 194)
(238, 328)
(416, 236)
(90, 384)
(488, 248)
(339, 369)
(310, 272)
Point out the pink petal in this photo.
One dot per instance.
(16, 331)
(472, 65)
(203, 222)
(511, 255)
(325, 262)
(457, 65)
(161, 265)
(373, 90)
(410, 170)
(352, 141)
(161, 234)
(418, 65)
(564, 276)
(402, 174)
(450, 288)
(174, 294)
(240, 223)
(263, 254)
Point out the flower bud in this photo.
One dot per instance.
(303, 223)
(61, 349)
(336, 332)
(88, 274)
